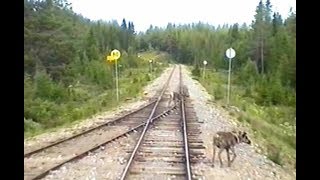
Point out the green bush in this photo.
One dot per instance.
(48, 104)
(196, 71)
(274, 153)
(219, 92)
(30, 125)
(147, 77)
(47, 89)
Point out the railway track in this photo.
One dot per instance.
(55, 155)
(130, 118)
(163, 149)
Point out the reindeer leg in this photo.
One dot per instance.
(169, 102)
(214, 153)
(234, 154)
(219, 154)
(228, 156)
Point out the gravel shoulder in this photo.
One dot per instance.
(249, 164)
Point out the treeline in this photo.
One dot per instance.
(64, 60)
(64, 57)
(55, 37)
(265, 59)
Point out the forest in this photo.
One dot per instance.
(66, 77)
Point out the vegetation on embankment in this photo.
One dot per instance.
(49, 105)
(274, 125)
(66, 76)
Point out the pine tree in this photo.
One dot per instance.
(91, 46)
(124, 24)
(131, 28)
(268, 12)
(233, 34)
(259, 26)
(124, 36)
(276, 23)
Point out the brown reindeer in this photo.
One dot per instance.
(174, 97)
(227, 141)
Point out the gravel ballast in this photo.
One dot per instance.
(109, 161)
(248, 164)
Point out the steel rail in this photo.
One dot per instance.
(43, 174)
(87, 131)
(185, 135)
(125, 172)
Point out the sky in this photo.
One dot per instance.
(160, 12)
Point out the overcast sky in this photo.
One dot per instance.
(160, 12)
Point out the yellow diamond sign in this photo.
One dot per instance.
(110, 58)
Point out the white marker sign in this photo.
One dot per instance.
(205, 62)
(230, 53)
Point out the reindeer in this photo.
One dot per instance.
(227, 141)
(185, 91)
(174, 96)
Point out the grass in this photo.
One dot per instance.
(150, 55)
(88, 100)
(274, 127)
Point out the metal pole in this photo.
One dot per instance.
(204, 71)
(150, 67)
(229, 80)
(116, 65)
(151, 71)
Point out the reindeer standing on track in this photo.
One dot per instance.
(227, 141)
(185, 91)
(174, 97)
